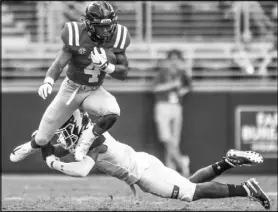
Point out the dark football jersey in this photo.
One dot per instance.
(165, 75)
(80, 68)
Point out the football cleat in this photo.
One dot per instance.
(22, 151)
(243, 158)
(85, 141)
(256, 193)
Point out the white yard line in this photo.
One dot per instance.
(13, 198)
(271, 193)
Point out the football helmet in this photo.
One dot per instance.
(72, 129)
(100, 20)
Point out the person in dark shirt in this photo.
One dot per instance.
(172, 82)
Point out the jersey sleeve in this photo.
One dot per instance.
(122, 38)
(65, 35)
(70, 34)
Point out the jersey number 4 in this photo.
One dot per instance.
(93, 71)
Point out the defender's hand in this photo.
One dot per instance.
(50, 161)
(46, 88)
(100, 61)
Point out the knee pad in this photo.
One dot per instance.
(112, 107)
(38, 143)
(104, 123)
(39, 140)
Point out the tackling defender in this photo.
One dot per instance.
(121, 161)
(83, 51)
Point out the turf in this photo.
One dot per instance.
(101, 192)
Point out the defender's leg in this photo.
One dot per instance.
(234, 158)
(165, 182)
(250, 188)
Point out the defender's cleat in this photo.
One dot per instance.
(256, 193)
(22, 151)
(243, 158)
(85, 141)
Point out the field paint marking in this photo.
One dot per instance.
(87, 198)
(271, 193)
(13, 198)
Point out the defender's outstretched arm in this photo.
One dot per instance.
(74, 169)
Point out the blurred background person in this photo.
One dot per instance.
(242, 59)
(271, 54)
(248, 13)
(172, 82)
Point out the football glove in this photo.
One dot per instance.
(46, 88)
(100, 61)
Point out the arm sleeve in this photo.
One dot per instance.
(75, 169)
(128, 39)
(122, 39)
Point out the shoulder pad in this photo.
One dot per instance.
(71, 33)
(121, 39)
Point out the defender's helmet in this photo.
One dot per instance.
(100, 20)
(70, 132)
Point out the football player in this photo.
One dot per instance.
(84, 49)
(149, 173)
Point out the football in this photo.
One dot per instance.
(111, 58)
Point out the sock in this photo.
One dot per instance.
(34, 145)
(220, 167)
(237, 191)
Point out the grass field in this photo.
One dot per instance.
(100, 192)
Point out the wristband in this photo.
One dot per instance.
(110, 68)
(49, 80)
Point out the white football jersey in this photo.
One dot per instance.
(121, 161)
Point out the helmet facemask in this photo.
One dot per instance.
(67, 137)
(100, 29)
(100, 21)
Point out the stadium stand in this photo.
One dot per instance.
(12, 31)
(193, 21)
(200, 29)
(23, 14)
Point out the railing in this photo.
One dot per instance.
(207, 60)
(148, 21)
(153, 26)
